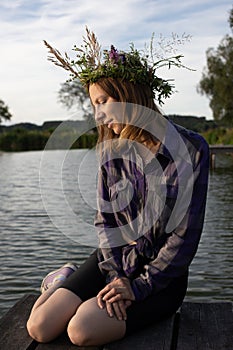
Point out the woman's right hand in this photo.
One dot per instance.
(116, 297)
(118, 309)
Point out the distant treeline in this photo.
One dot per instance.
(77, 134)
(219, 136)
(197, 124)
(215, 132)
(51, 135)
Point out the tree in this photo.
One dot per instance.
(73, 94)
(217, 82)
(4, 112)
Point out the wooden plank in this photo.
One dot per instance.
(63, 343)
(13, 332)
(202, 326)
(206, 326)
(155, 337)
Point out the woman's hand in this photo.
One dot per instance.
(116, 296)
(118, 309)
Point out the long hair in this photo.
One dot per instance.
(137, 119)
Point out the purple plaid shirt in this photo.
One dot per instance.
(150, 216)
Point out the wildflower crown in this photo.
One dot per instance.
(134, 66)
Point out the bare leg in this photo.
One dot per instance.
(51, 314)
(43, 297)
(91, 326)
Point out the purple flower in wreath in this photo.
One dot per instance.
(113, 55)
(122, 58)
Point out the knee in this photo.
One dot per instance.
(79, 333)
(37, 330)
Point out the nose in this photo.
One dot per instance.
(99, 114)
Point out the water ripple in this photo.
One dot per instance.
(31, 245)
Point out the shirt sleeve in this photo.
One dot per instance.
(176, 254)
(109, 253)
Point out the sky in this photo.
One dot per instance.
(29, 83)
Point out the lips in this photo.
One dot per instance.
(109, 123)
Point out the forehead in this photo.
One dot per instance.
(96, 92)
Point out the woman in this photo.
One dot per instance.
(151, 201)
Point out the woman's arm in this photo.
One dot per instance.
(109, 254)
(176, 254)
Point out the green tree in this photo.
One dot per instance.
(73, 94)
(216, 82)
(4, 112)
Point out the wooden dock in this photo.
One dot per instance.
(198, 326)
(218, 149)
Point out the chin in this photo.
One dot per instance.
(117, 129)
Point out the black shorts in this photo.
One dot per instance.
(87, 281)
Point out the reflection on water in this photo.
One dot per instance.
(31, 245)
(212, 269)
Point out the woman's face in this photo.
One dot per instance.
(105, 109)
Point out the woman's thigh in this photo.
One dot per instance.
(156, 307)
(87, 281)
(50, 318)
(92, 326)
(53, 310)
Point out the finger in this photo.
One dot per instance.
(115, 298)
(100, 296)
(103, 291)
(127, 303)
(118, 311)
(109, 309)
(122, 308)
(100, 302)
(112, 293)
(119, 294)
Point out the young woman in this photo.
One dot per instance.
(151, 201)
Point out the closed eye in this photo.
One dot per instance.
(102, 102)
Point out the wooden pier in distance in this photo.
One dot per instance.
(219, 149)
(197, 326)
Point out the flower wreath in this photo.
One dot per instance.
(135, 66)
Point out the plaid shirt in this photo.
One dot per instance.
(150, 217)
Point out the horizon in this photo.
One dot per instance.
(29, 83)
(10, 124)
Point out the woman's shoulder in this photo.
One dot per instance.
(190, 136)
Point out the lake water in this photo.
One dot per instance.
(34, 243)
